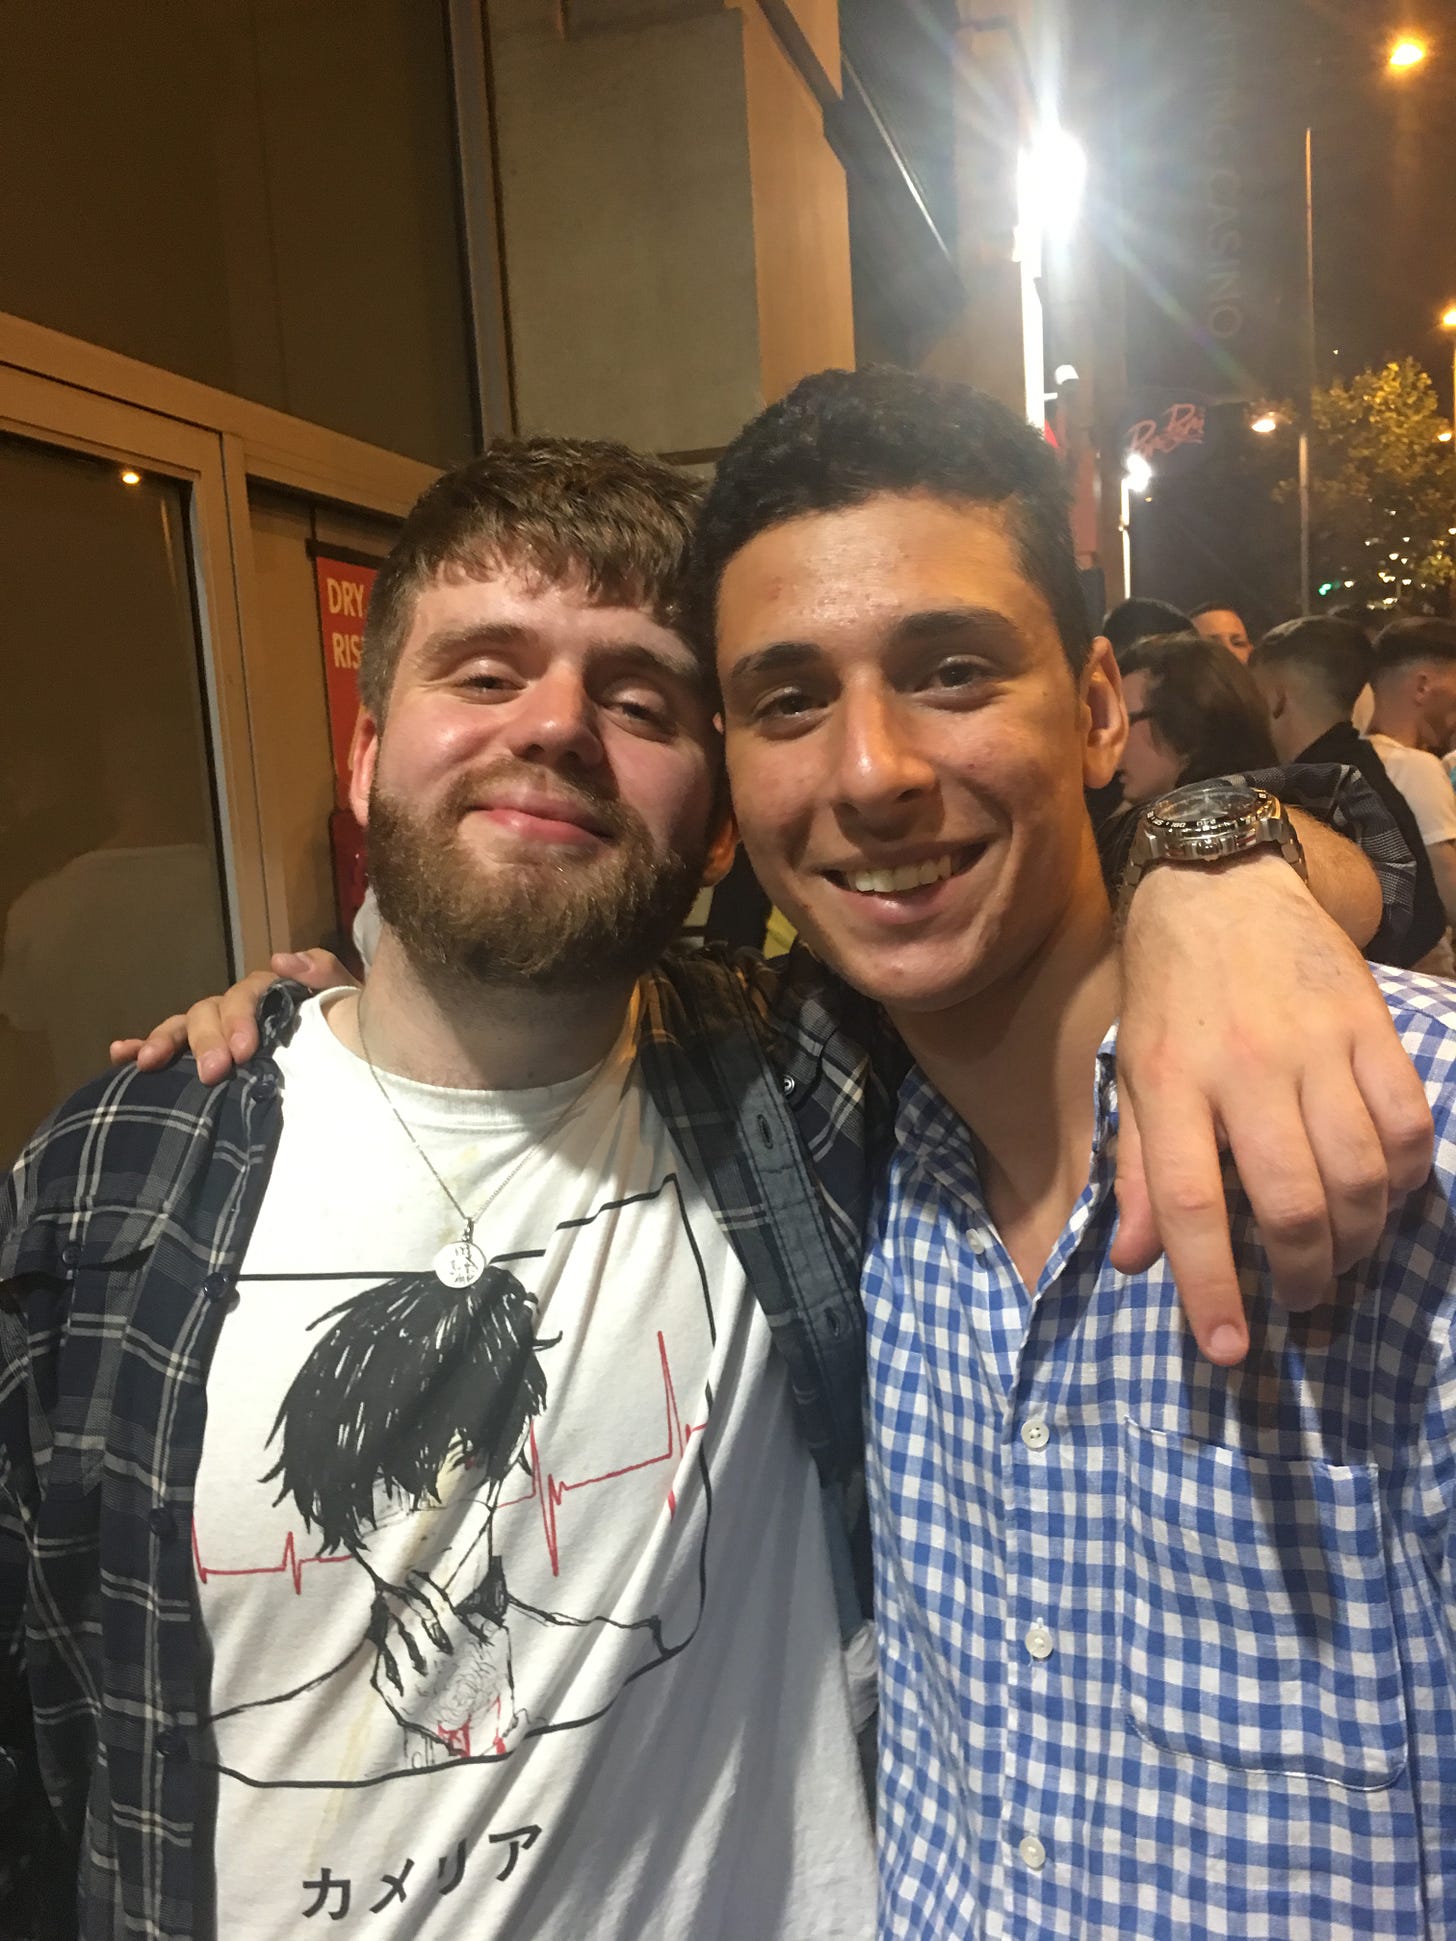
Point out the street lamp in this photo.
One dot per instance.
(1051, 175)
(1407, 52)
(1265, 424)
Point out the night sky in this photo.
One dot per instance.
(1385, 186)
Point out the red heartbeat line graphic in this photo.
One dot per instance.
(291, 1564)
(551, 1496)
(679, 1435)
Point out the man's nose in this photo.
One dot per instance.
(881, 770)
(554, 719)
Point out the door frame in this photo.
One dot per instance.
(62, 391)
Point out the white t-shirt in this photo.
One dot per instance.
(1424, 784)
(517, 1596)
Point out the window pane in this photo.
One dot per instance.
(111, 910)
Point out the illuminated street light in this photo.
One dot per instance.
(130, 477)
(1448, 321)
(1264, 424)
(1051, 174)
(1408, 52)
(1138, 472)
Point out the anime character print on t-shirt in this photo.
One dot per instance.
(455, 1496)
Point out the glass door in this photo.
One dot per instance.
(127, 824)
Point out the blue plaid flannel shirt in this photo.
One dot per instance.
(1164, 1650)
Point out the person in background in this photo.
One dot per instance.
(1193, 712)
(1414, 684)
(1311, 673)
(1133, 620)
(1223, 625)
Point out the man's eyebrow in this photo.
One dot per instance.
(449, 643)
(985, 622)
(781, 657)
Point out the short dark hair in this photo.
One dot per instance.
(842, 437)
(409, 1371)
(558, 507)
(1404, 642)
(1133, 620)
(1205, 704)
(1214, 606)
(1368, 619)
(1334, 654)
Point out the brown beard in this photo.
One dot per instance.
(562, 924)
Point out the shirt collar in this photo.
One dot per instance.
(930, 1131)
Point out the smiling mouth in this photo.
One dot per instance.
(909, 876)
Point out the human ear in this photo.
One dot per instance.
(1104, 715)
(721, 851)
(363, 755)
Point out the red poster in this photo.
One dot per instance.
(343, 594)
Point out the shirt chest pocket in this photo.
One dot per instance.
(79, 1278)
(1254, 1612)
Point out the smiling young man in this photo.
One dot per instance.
(1164, 1647)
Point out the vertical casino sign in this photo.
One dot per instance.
(344, 581)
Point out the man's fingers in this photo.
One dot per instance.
(1136, 1244)
(1185, 1190)
(1270, 1145)
(123, 1051)
(233, 1025)
(1352, 1163)
(319, 969)
(1398, 1108)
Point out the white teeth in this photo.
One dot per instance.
(891, 882)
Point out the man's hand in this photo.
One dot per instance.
(222, 1032)
(1251, 1021)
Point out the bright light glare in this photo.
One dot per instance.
(1408, 52)
(1443, 437)
(1050, 177)
(1138, 472)
(1448, 321)
(1065, 374)
(1264, 424)
(130, 477)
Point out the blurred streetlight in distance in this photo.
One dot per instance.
(1407, 52)
(1138, 472)
(1265, 423)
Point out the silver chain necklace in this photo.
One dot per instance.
(459, 1263)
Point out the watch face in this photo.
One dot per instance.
(1203, 803)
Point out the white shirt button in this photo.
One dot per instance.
(1039, 1641)
(1033, 1852)
(1035, 1434)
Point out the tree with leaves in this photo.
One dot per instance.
(1382, 490)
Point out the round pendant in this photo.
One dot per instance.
(461, 1264)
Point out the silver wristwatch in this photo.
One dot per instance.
(1206, 823)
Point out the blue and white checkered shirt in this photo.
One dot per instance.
(1164, 1649)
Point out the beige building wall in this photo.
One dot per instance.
(676, 233)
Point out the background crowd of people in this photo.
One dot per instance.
(1346, 686)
